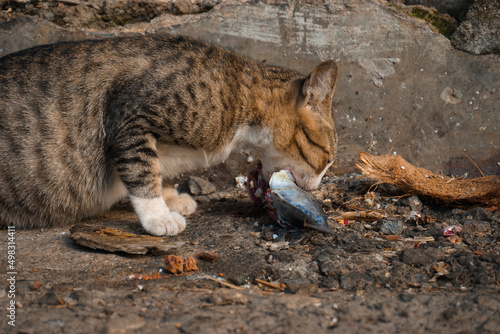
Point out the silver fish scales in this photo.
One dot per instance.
(289, 204)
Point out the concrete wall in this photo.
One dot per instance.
(402, 87)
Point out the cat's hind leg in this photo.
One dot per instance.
(181, 203)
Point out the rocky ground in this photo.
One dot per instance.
(397, 274)
(404, 87)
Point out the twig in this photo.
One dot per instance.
(229, 285)
(479, 169)
(420, 239)
(270, 285)
(363, 215)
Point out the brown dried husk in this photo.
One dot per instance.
(419, 181)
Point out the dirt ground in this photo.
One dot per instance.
(395, 275)
(398, 274)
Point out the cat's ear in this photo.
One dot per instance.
(320, 84)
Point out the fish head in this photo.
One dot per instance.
(281, 179)
(302, 174)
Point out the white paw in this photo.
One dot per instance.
(182, 203)
(156, 218)
(170, 224)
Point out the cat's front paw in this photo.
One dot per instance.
(171, 223)
(156, 218)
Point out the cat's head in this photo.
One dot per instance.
(303, 133)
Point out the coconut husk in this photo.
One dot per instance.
(419, 181)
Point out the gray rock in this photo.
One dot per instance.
(306, 289)
(455, 8)
(354, 280)
(480, 33)
(401, 86)
(415, 203)
(50, 298)
(390, 226)
(194, 6)
(416, 257)
(198, 186)
(25, 32)
(300, 285)
(112, 240)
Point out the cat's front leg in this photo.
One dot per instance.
(138, 167)
(156, 217)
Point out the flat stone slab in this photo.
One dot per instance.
(112, 240)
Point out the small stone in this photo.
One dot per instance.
(35, 285)
(419, 228)
(491, 325)
(452, 96)
(228, 296)
(187, 6)
(120, 325)
(293, 284)
(331, 283)
(207, 256)
(70, 301)
(389, 226)
(354, 280)
(479, 33)
(329, 268)
(415, 203)
(307, 289)
(415, 257)
(198, 186)
(50, 298)
(267, 236)
(241, 181)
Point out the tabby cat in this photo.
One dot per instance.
(85, 124)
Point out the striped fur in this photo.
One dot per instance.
(84, 124)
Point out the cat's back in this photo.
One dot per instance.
(83, 57)
(55, 101)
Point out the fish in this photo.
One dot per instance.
(287, 203)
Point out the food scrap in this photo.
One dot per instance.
(451, 230)
(286, 202)
(174, 264)
(207, 256)
(454, 239)
(190, 264)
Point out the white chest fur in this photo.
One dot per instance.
(175, 159)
